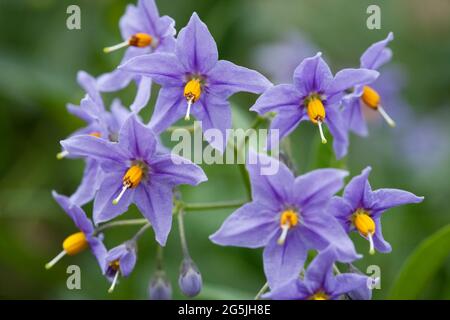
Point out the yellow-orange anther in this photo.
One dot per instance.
(289, 218)
(96, 134)
(363, 222)
(193, 90)
(315, 110)
(75, 243)
(140, 40)
(319, 296)
(133, 176)
(370, 97)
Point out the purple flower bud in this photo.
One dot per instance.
(190, 280)
(160, 287)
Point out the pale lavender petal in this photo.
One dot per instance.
(277, 99)
(214, 113)
(127, 263)
(318, 186)
(294, 290)
(170, 106)
(89, 84)
(99, 251)
(338, 130)
(352, 114)
(320, 270)
(377, 54)
(312, 75)
(355, 189)
(144, 87)
(346, 282)
(250, 226)
(154, 200)
(196, 48)
(89, 185)
(379, 243)
(284, 123)
(80, 113)
(163, 68)
(174, 170)
(283, 263)
(104, 209)
(389, 198)
(120, 113)
(342, 211)
(226, 78)
(75, 212)
(139, 140)
(348, 78)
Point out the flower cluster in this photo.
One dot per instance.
(289, 216)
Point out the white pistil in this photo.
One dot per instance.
(371, 249)
(188, 111)
(322, 136)
(122, 192)
(116, 276)
(62, 154)
(386, 117)
(55, 260)
(116, 47)
(284, 231)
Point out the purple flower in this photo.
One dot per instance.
(193, 79)
(144, 32)
(315, 95)
(363, 95)
(78, 241)
(136, 173)
(120, 260)
(360, 209)
(287, 217)
(319, 282)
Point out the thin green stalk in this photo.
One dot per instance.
(213, 205)
(120, 223)
(183, 240)
(262, 291)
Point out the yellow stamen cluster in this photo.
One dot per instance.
(193, 90)
(140, 40)
(363, 222)
(370, 97)
(320, 295)
(133, 176)
(315, 110)
(75, 243)
(289, 217)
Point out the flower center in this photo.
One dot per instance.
(75, 243)
(319, 295)
(114, 268)
(131, 179)
(288, 220)
(140, 40)
(192, 92)
(365, 225)
(371, 98)
(316, 113)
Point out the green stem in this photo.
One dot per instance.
(141, 231)
(262, 291)
(129, 222)
(183, 240)
(213, 205)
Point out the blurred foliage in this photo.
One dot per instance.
(39, 59)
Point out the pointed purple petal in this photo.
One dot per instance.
(144, 87)
(137, 139)
(75, 212)
(352, 114)
(284, 123)
(89, 84)
(338, 130)
(348, 78)
(355, 189)
(174, 170)
(312, 75)
(380, 244)
(377, 54)
(388, 198)
(89, 185)
(170, 106)
(277, 98)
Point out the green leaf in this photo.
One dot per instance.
(420, 267)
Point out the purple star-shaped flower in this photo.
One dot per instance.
(144, 32)
(77, 242)
(320, 283)
(194, 80)
(315, 95)
(287, 217)
(373, 58)
(120, 260)
(360, 208)
(136, 173)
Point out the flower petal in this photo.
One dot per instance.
(154, 200)
(99, 251)
(226, 78)
(170, 106)
(312, 75)
(137, 139)
(348, 78)
(89, 84)
(144, 88)
(318, 186)
(89, 184)
(346, 282)
(352, 114)
(277, 98)
(75, 213)
(377, 54)
(174, 170)
(341, 210)
(294, 290)
(388, 198)
(284, 123)
(250, 226)
(320, 270)
(380, 244)
(356, 188)
(338, 130)
(196, 48)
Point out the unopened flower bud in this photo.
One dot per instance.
(190, 279)
(160, 288)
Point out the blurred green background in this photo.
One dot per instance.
(39, 59)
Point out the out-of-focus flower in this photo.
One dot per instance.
(194, 80)
(144, 32)
(160, 287)
(136, 173)
(287, 217)
(319, 282)
(120, 261)
(360, 209)
(292, 48)
(315, 95)
(364, 95)
(190, 279)
(81, 240)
